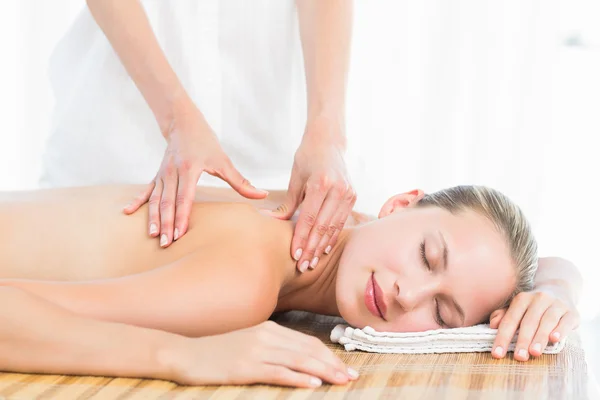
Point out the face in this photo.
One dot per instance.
(416, 269)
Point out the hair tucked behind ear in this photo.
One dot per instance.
(508, 219)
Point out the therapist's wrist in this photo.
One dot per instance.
(179, 109)
(326, 128)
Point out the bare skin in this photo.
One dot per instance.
(75, 250)
(82, 235)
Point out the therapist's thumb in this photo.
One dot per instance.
(240, 184)
(292, 200)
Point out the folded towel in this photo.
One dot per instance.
(478, 338)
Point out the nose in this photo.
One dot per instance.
(412, 293)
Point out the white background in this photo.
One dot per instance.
(504, 94)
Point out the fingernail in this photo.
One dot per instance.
(556, 335)
(127, 206)
(340, 376)
(315, 382)
(499, 351)
(153, 229)
(537, 347)
(522, 353)
(176, 234)
(314, 262)
(353, 373)
(304, 266)
(328, 249)
(163, 240)
(298, 254)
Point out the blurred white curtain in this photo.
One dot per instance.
(441, 93)
(482, 92)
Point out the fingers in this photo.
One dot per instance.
(312, 346)
(283, 376)
(302, 366)
(321, 231)
(308, 354)
(530, 322)
(287, 209)
(140, 200)
(154, 209)
(339, 221)
(509, 324)
(167, 208)
(538, 317)
(307, 222)
(237, 181)
(548, 322)
(331, 217)
(186, 192)
(496, 317)
(567, 323)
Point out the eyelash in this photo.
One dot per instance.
(438, 316)
(423, 258)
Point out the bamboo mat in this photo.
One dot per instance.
(383, 376)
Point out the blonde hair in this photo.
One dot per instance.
(506, 216)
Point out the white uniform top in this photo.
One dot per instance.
(239, 60)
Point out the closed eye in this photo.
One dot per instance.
(423, 257)
(438, 316)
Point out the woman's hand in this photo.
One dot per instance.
(192, 149)
(266, 353)
(541, 317)
(320, 182)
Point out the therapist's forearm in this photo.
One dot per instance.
(559, 276)
(125, 24)
(325, 31)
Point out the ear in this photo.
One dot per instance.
(401, 201)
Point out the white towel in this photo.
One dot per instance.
(478, 338)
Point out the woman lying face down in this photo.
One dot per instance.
(448, 259)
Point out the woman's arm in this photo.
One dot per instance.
(560, 277)
(39, 337)
(216, 289)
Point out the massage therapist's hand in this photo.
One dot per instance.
(265, 353)
(541, 317)
(320, 182)
(192, 149)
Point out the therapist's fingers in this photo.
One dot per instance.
(167, 208)
(328, 242)
(320, 230)
(154, 208)
(186, 192)
(236, 180)
(325, 226)
(340, 218)
(308, 222)
(140, 199)
(289, 206)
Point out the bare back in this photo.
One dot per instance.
(82, 233)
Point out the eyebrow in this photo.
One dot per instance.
(445, 253)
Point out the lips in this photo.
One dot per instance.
(374, 298)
